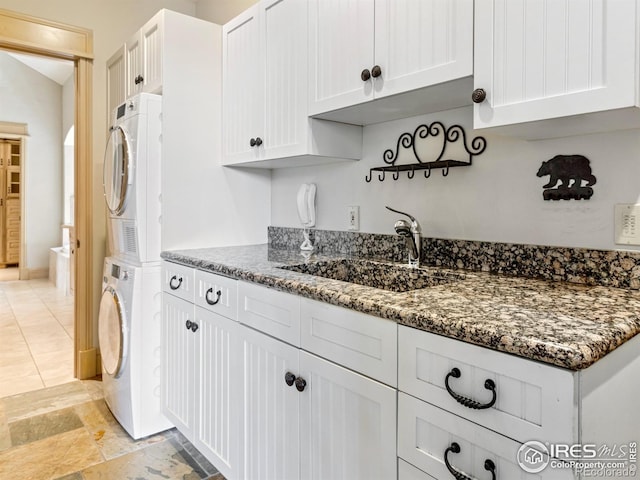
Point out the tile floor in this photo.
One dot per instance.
(36, 331)
(66, 432)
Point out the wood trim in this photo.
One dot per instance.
(84, 281)
(43, 37)
(12, 128)
(36, 35)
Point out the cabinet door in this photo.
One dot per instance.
(220, 391)
(151, 36)
(271, 409)
(539, 60)
(116, 90)
(284, 60)
(341, 46)
(134, 66)
(418, 44)
(180, 360)
(347, 424)
(243, 99)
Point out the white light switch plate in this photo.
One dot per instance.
(627, 224)
(354, 217)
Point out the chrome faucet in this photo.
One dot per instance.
(411, 233)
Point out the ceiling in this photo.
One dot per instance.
(57, 70)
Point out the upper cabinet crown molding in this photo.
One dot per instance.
(27, 33)
(265, 91)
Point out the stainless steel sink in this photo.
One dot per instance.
(388, 276)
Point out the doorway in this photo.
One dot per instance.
(28, 34)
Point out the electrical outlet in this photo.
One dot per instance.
(627, 224)
(354, 217)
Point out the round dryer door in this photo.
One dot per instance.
(115, 174)
(112, 332)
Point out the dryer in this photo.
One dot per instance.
(129, 336)
(131, 179)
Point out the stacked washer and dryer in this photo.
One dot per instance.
(130, 307)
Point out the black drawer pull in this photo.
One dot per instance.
(209, 301)
(457, 474)
(468, 402)
(175, 286)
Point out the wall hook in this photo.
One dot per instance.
(427, 174)
(446, 171)
(396, 174)
(368, 177)
(381, 177)
(411, 173)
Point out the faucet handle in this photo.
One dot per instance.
(402, 213)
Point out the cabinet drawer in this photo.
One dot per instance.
(270, 311)
(179, 280)
(364, 343)
(533, 400)
(406, 471)
(425, 432)
(217, 293)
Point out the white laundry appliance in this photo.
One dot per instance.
(129, 335)
(131, 179)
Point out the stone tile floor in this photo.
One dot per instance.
(66, 432)
(36, 329)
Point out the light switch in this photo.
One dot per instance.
(627, 224)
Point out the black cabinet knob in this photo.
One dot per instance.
(258, 141)
(289, 378)
(194, 327)
(365, 75)
(252, 142)
(188, 324)
(479, 95)
(376, 71)
(300, 384)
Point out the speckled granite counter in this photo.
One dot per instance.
(563, 324)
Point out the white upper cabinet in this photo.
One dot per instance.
(265, 117)
(361, 50)
(116, 89)
(144, 58)
(544, 60)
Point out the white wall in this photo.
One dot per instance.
(498, 198)
(221, 11)
(28, 97)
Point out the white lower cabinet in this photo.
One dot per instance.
(201, 391)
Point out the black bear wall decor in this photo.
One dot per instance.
(571, 171)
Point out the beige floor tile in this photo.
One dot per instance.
(44, 401)
(14, 386)
(51, 457)
(18, 370)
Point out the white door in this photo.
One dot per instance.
(116, 89)
(134, 68)
(151, 36)
(116, 170)
(271, 409)
(423, 43)
(219, 428)
(242, 83)
(180, 350)
(539, 60)
(341, 48)
(347, 424)
(112, 332)
(284, 62)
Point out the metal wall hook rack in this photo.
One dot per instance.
(408, 140)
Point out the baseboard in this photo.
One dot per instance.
(87, 363)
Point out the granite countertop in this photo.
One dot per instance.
(563, 324)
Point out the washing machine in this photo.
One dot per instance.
(129, 335)
(131, 179)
